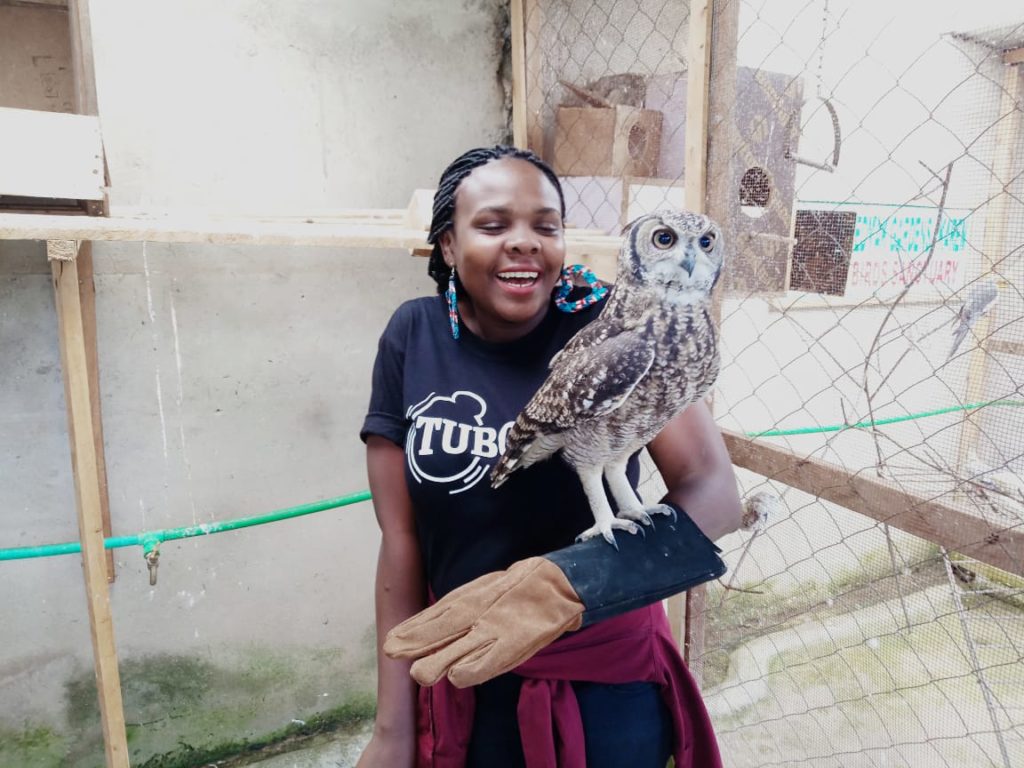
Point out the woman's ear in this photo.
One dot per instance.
(447, 251)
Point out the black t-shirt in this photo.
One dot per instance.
(450, 404)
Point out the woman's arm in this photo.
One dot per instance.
(693, 461)
(400, 592)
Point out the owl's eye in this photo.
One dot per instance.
(663, 239)
(706, 242)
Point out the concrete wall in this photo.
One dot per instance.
(233, 380)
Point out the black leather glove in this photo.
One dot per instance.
(497, 621)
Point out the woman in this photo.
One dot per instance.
(451, 374)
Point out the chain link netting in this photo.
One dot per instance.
(866, 164)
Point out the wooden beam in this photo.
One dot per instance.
(82, 65)
(338, 234)
(84, 79)
(533, 12)
(518, 44)
(1013, 56)
(51, 3)
(49, 154)
(87, 302)
(686, 612)
(74, 359)
(994, 241)
(698, 82)
(928, 519)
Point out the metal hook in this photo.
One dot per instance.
(153, 562)
(837, 140)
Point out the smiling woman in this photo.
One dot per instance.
(452, 373)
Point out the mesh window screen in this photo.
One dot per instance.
(866, 163)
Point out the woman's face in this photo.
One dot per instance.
(507, 245)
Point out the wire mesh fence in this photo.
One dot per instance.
(866, 164)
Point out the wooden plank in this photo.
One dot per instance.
(47, 3)
(1006, 347)
(928, 519)
(994, 241)
(87, 302)
(698, 80)
(693, 647)
(14, 226)
(518, 45)
(47, 154)
(690, 632)
(533, 12)
(84, 79)
(82, 65)
(1013, 56)
(74, 360)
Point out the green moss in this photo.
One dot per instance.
(190, 711)
(37, 745)
(356, 711)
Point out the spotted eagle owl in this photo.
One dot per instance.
(652, 352)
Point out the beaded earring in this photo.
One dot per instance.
(564, 286)
(453, 308)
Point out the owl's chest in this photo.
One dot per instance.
(685, 366)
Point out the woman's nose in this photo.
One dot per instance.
(522, 239)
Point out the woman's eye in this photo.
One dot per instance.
(663, 238)
(705, 242)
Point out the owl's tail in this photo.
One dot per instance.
(521, 450)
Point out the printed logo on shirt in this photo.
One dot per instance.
(448, 442)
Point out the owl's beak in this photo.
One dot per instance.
(689, 262)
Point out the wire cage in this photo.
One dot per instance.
(866, 164)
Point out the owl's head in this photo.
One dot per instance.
(677, 251)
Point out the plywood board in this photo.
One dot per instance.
(35, 59)
(45, 154)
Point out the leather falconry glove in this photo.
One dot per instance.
(496, 622)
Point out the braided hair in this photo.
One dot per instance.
(444, 198)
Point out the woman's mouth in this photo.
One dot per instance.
(519, 278)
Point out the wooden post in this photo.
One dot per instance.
(75, 362)
(686, 612)
(708, 185)
(83, 75)
(698, 84)
(535, 94)
(518, 43)
(993, 245)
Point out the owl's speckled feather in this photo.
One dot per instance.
(652, 352)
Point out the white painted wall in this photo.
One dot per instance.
(234, 379)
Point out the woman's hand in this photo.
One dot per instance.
(400, 593)
(693, 461)
(388, 751)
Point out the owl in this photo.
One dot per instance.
(651, 353)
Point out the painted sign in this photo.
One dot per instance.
(891, 245)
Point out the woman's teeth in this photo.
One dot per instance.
(520, 279)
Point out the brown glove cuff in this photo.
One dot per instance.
(523, 621)
(488, 626)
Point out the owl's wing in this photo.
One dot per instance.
(588, 337)
(592, 380)
(588, 382)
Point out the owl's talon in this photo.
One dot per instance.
(664, 509)
(606, 531)
(636, 515)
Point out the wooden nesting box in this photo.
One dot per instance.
(607, 141)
